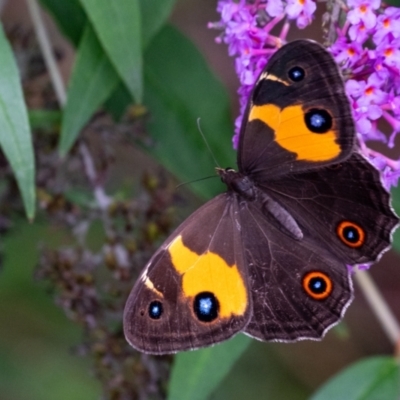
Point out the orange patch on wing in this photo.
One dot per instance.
(292, 134)
(209, 272)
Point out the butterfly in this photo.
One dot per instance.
(269, 256)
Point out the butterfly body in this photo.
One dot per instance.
(269, 257)
(247, 191)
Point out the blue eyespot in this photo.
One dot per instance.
(317, 285)
(296, 74)
(155, 309)
(206, 306)
(318, 120)
(351, 234)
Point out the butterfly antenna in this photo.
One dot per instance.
(196, 180)
(208, 146)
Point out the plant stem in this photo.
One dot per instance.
(379, 306)
(47, 51)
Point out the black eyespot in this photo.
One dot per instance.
(296, 74)
(206, 306)
(155, 309)
(318, 121)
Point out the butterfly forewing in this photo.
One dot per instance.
(298, 117)
(194, 291)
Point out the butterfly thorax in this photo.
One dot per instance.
(248, 192)
(238, 183)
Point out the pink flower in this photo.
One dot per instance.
(274, 7)
(358, 32)
(347, 54)
(388, 23)
(390, 53)
(302, 10)
(363, 11)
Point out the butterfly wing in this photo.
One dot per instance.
(298, 117)
(298, 290)
(344, 208)
(328, 207)
(194, 290)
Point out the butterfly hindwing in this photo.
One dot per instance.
(194, 291)
(298, 289)
(298, 116)
(344, 208)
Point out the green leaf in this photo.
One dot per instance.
(180, 88)
(15, 135)
(70, 17)
(154, 15)
(45, 119)
(117, 103)
(393, 2)
(262, 373)
(196, 374)
(93, 80)
(370, 379)
(118, 27)
(396, 205)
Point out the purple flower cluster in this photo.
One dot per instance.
(247, 29)
(367, 48)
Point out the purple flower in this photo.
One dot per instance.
(302, 10)
(390, 53)
(367, 92)
(358, 32)
(363, 11)
(346, 53)
(388, 23)
(274, 8)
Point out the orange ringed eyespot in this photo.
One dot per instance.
(351, 234)
(317, 285)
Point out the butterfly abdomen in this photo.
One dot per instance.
(280, 216)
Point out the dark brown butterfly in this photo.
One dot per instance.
(268, 257)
